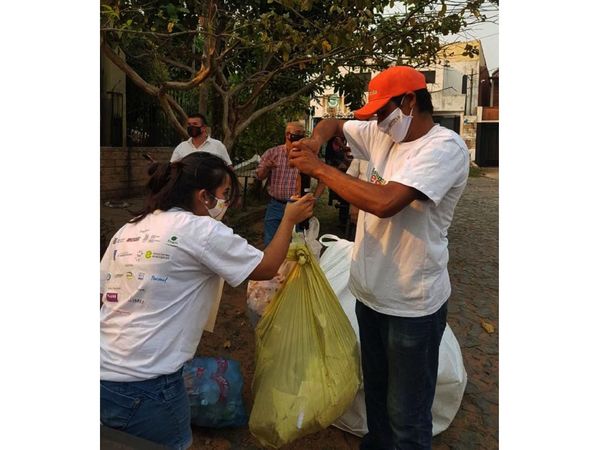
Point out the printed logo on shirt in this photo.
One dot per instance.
(123, 254)
(118, 240)
(154, 238)
(145, 238)
(141, 275)
(114, 255)
(119, 275)
(136, 300)
(129, 275)
(376, 178)
(162, 280)
(135, 239)
(173, 241)
(154, 255)
(112, 297)
(108, 275)
(139, 255)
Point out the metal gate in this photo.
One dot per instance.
(486, 149)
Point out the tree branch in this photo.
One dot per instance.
(177, 64)
(201, 75)
(151, 33)
(178, 109)
(166, 106)
(129, 71)
(272, 106)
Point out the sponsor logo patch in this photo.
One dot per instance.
(173, 241)
(376, 178)
(112, 297)
(162, 280)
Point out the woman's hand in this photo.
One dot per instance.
(301, 208)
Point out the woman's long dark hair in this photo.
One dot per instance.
(173, 184)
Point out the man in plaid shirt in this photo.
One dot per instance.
(283, 180)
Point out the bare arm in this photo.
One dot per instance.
(319, 189)
(324, 131)
(264, 166)
(276, 251)
(380, 200)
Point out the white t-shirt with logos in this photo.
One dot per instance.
(210, 145)
(159, 279)
(399, 264)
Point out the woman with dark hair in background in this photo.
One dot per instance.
(160, 276)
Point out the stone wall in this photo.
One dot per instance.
(123, 171)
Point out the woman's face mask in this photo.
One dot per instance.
(396, 124)
(218, 211)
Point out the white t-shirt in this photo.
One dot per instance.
(210, 145)
(399, 264)
(159, 279)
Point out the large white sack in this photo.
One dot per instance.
(452, 377)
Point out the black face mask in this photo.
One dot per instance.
(295, 137)
(194, 131)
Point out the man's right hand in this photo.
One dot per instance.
(310, 143)
(300, 209)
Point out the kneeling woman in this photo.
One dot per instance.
(160, 276)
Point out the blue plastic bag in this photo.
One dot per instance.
(214, 387)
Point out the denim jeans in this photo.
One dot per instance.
(273, 217)
(157, 409)
(399, 363)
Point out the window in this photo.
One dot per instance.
(429, 76)
(464, 84)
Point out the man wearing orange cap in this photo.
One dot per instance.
(417, 171)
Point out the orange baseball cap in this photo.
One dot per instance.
(390, 83)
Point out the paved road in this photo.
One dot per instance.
(473, 270)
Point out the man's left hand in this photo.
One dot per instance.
(305, 160)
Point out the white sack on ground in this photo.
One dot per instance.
(452, 377)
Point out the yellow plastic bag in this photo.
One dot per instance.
(307, 358)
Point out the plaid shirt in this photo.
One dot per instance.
(282, 179)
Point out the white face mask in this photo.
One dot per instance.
(396, 124)
(219, 209)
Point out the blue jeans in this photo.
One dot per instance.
(399, 363)
(157, 409)
(273, 217)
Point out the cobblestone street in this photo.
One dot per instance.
(473, 307)
(474, 274)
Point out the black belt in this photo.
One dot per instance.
(283, 202)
